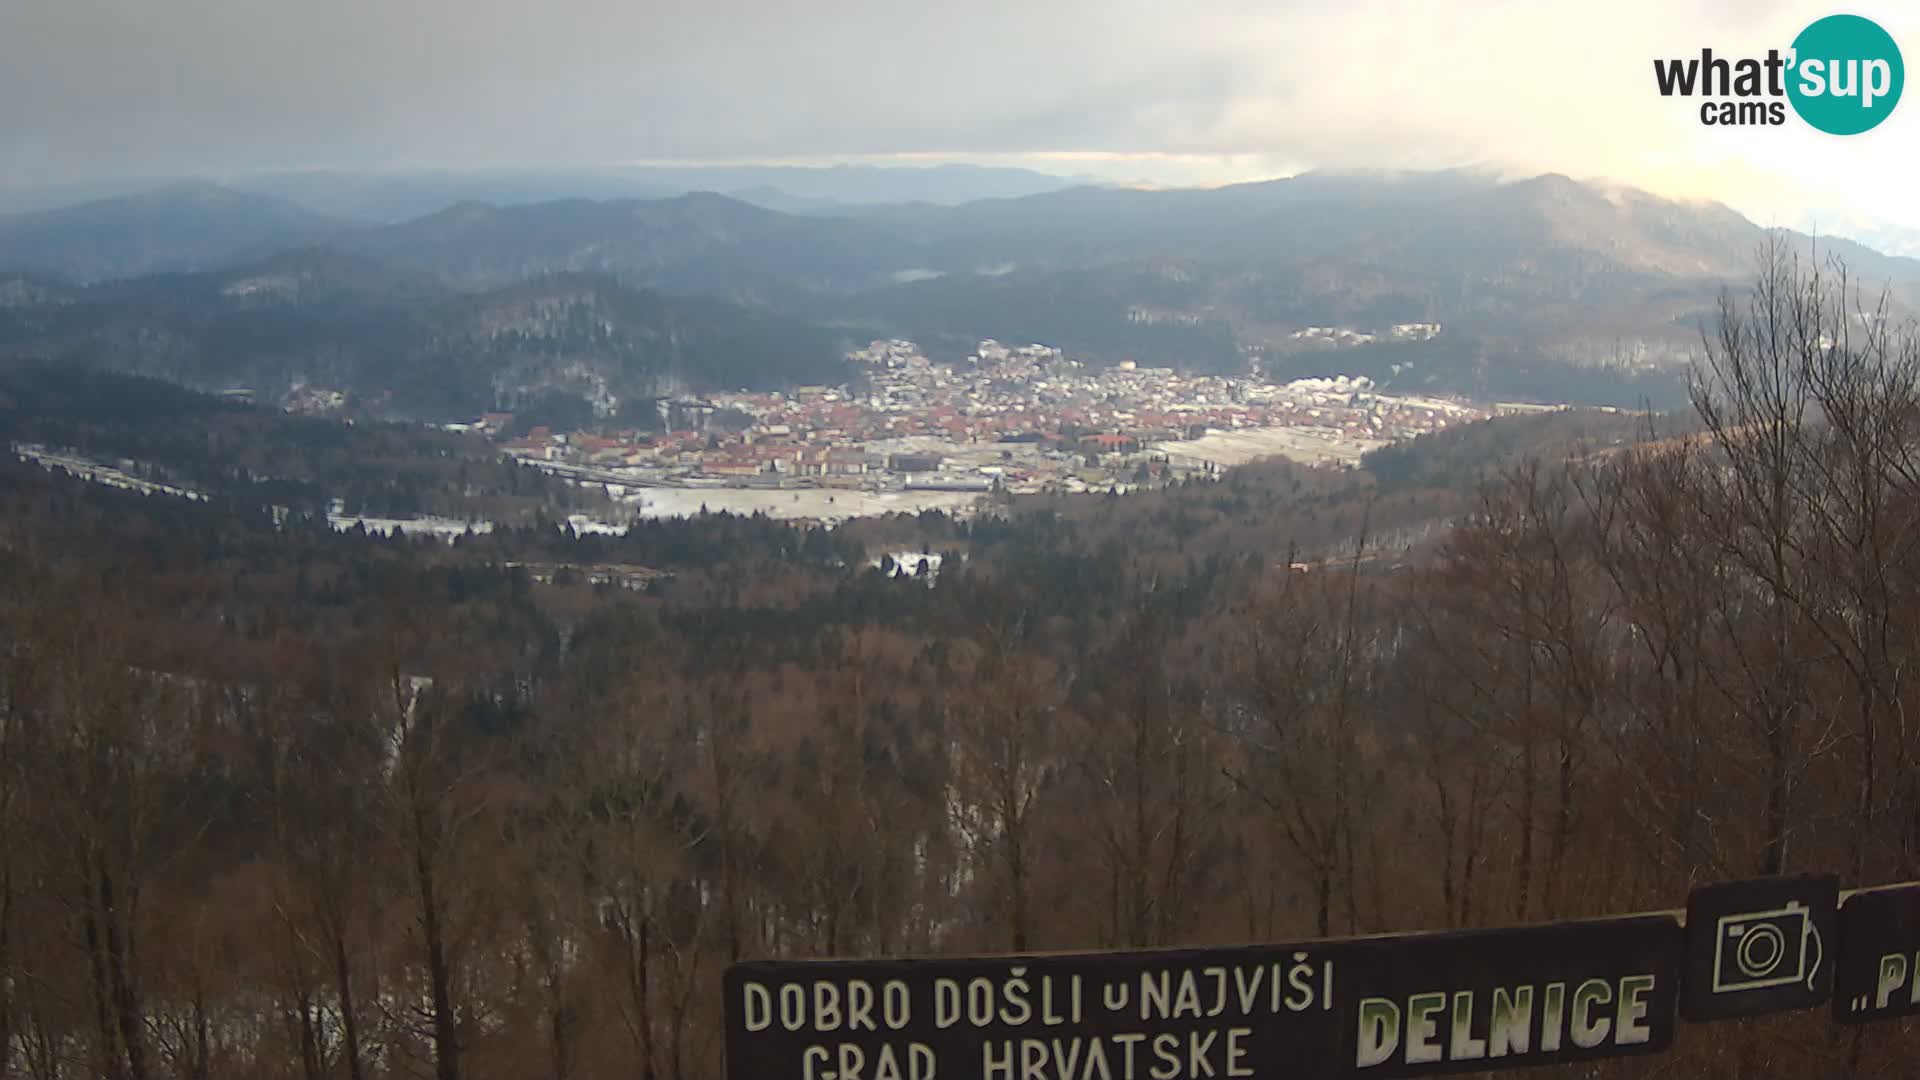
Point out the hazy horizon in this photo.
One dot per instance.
(95, 92)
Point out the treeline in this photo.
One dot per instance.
(1485, 369)
(400, 347)
(502, 830)
(1470, 455)
(259, 457)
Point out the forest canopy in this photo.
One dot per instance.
(288, 802)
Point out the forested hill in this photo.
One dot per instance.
(1472, 455)
(1546, 288)
(190, 226)
(250, 460)
(402, 346)
(552, 785)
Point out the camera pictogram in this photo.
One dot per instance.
(1760, 949)
(1759, 946)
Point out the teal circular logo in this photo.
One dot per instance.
(1846, 75)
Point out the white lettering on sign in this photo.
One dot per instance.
(1631, 1017)
(1589, 1032)
(848, 1061)
(1468, 1004)
(1603, 1012)
(1212, 991)
(826, 1007)
(1194, 1055)
(1894, 973)
(1510, 1028)
(982, 1002)
(1464, 1046)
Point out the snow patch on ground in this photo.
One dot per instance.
(583, 525)
(97, 473)
(907, 563)
(444, 528)
(812, 504)
(1224, 449)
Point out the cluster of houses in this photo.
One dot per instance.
(1019, 415)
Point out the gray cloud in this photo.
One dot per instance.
(93, 88)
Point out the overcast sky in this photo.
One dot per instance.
(1203, 91)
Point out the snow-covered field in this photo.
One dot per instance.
(1228, 448)
(586, 526)
(826, 505)
(816, 504)
(445, 528)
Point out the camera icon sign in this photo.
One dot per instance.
(1763, 945)
(1761, 949)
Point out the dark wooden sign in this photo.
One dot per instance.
(1386, 1006)
(1436, 1003)
(1877, 976)
(1760, 946)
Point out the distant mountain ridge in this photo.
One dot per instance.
(189, 226)
(817, 243)
(701, 243)
(388, 199)
(1542, 274)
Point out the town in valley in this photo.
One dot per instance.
(912, 433)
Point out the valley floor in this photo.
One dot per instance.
(830, 505)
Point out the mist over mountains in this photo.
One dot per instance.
(385, 198)
(180, 226)
(1546, 287)
(792, 188)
